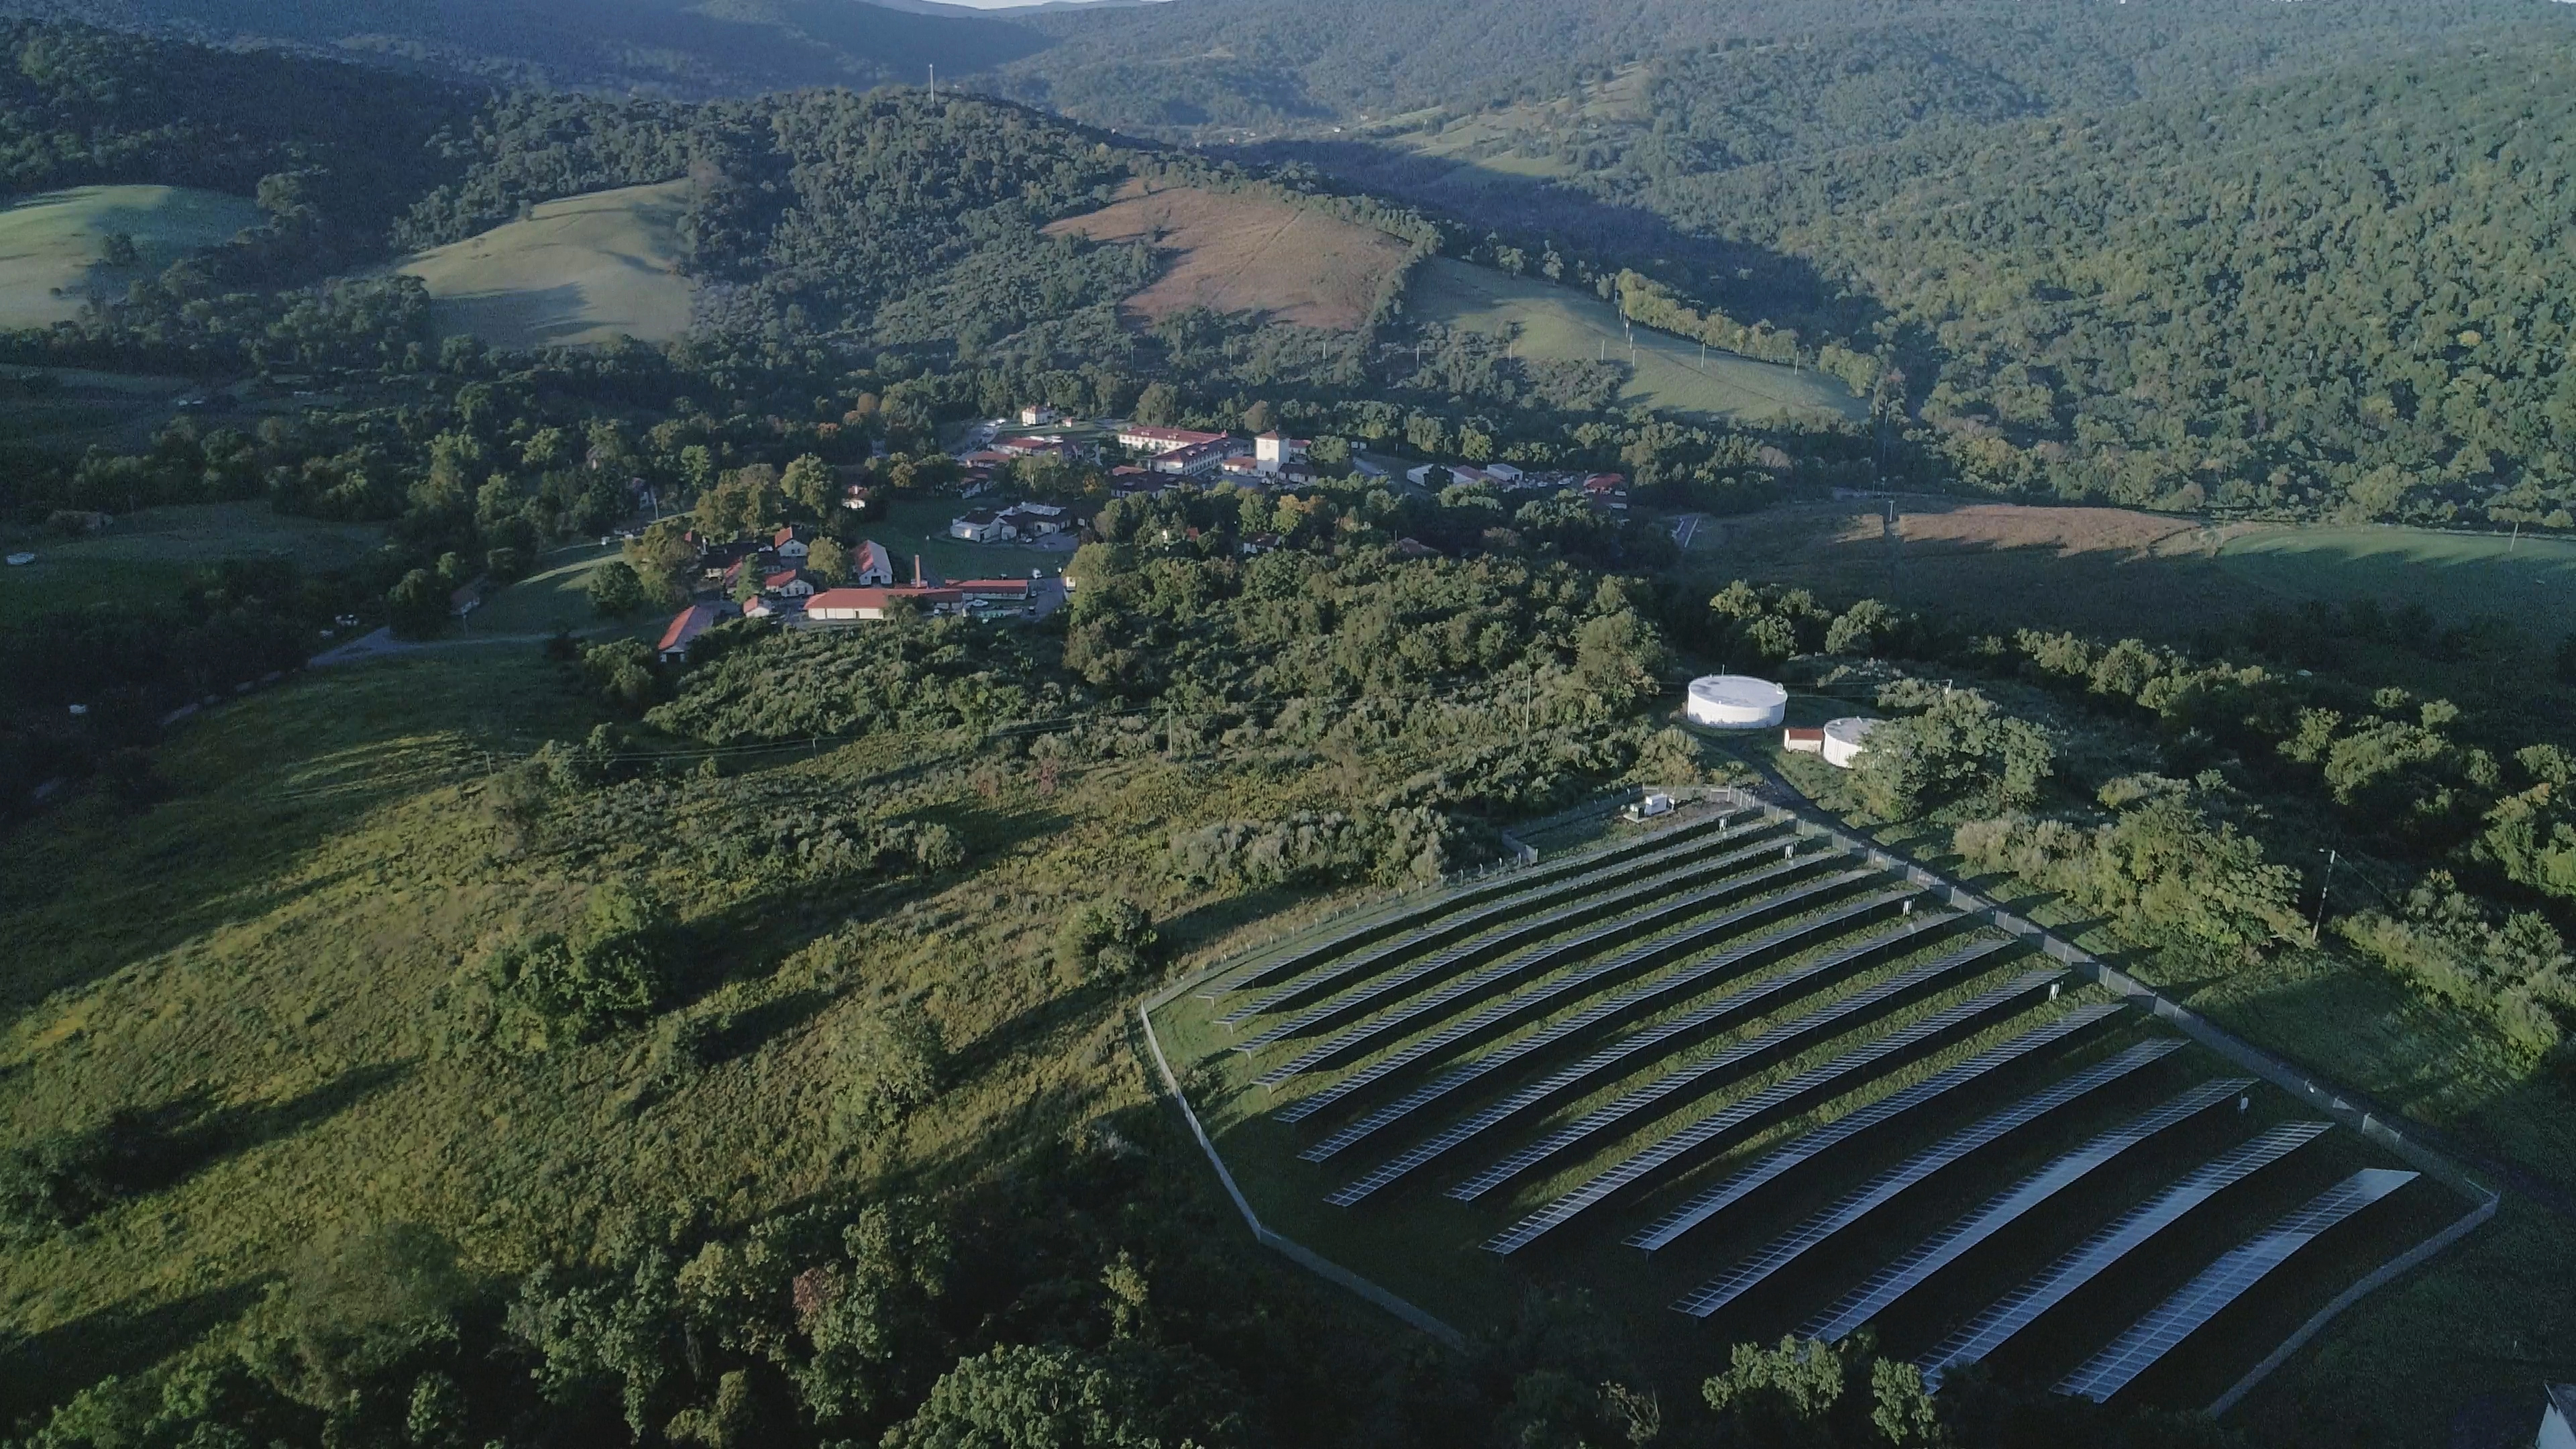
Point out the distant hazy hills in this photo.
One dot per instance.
(680, 47)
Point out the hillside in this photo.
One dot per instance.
(583, 269)
(55, 246)
(666, 47)
(1239, 253)
(1542, 322)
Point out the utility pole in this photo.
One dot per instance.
(2318, 930)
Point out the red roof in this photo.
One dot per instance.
(1016, 588)
(688, 624)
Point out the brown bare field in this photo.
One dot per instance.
(1244, 254)
(2104, 570)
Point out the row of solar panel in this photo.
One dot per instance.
(1552, 995)
(1436, 919)
(1654, 951)
(1626, 1054)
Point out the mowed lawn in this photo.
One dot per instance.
(2457, 577)
(1558, 324)
(146, 555)
(586, 269)
(53, 245)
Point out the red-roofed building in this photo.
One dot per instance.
(688, 624)
(787, 583)
(845, 606)
(789, 544)
(871, 566)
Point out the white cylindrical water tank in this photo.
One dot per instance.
(1844, 740)
(1735, 702)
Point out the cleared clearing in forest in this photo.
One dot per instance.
(582, 270)
(1246, 254)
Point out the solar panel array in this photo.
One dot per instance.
(1915, 1267)
(1626, 1054)
(1615, 967)
(1617, 1007)
(2007, 1316)
(1627, 907)
(2167, 1324)
(1647, 974)
(1679, 1084)
(1885, 1188)
(1522, 890)
(1668, 1229)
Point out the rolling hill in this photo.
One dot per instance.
(581, 270)
(53, 246)
(1558, 324)
(1235, 253)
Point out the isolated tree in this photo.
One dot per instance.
(417, 606)
(615, 592)
(809, 483)
(1158, 405)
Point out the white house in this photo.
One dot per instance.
(787, 584)
(1141, 438)
(871, 566)
(1034, 520)
(1275, 452)
(981, 526)
(1038, 417)
(789, 545)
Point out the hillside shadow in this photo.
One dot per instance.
(1746, 279)
(165, 1144)
(1991, 564)
(42, 1369)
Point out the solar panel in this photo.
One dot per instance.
(1514, 890)
(1574, 987)
(1582, 899)
(1888, 1186)
(1738, 1119)
(1654, 1099)
(2167, 1324)
(1992, 1328)
(1628, 907)
(1626, 1052)
(1917, 1265)
(1669, 1228)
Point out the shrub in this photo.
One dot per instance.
(62, 1181)
(2162, 872)
(1109, 938)
(533, 992)
(894, 1061)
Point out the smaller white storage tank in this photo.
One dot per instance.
(1735, 702)
(1844, 740)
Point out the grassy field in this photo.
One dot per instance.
(52, 256)
(261, 954)
(585, 269)
(553, 597)
(2119, 571)
(141, 556)
(1560, 324)
(920, 526)
(1233, 253)
(2458, 577)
